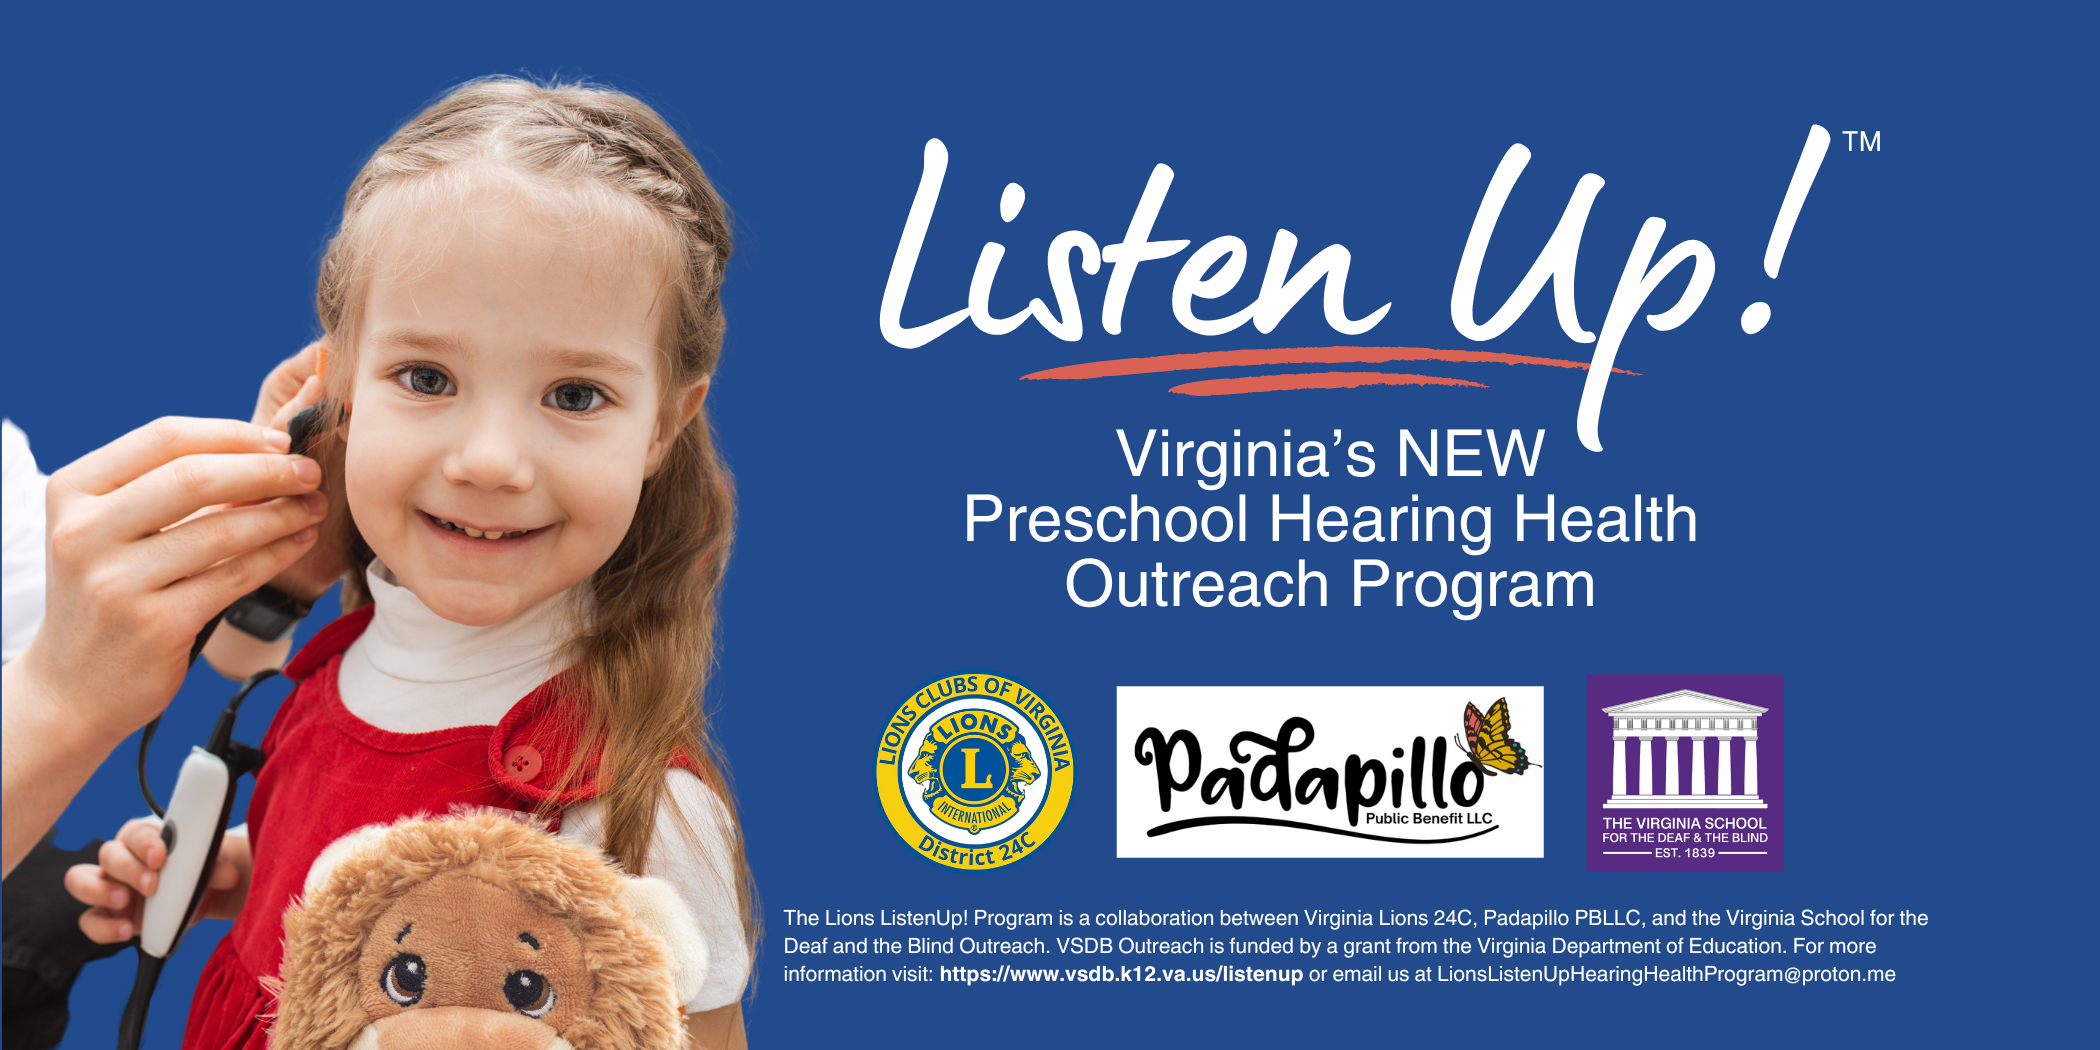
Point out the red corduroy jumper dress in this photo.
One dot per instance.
(327, 773)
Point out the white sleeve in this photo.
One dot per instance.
(701, 871)
(22, 518)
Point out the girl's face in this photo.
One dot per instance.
(506, 407)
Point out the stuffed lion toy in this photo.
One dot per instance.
(482, 931)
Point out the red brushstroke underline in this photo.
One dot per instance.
(1312, 381)
(1130, 366)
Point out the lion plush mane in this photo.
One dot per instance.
(482, 930)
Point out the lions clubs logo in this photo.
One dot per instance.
(973, 770)
(974, 766)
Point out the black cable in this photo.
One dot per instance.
(131, 1028)
(145, 786)
(146, 734)
(306, 426)
(222, 734)
(240, 759)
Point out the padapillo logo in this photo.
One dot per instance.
(1258, 771)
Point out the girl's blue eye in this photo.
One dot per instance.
(427, 381)
(575, 397)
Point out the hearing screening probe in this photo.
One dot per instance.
(192, 828)
(265, 604)
(193, 825)
(313, 422)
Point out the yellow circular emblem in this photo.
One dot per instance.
(974, 771)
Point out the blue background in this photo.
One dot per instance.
(1886, 477)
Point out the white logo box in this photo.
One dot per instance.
(1506, 817)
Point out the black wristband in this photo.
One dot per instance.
(267, 613)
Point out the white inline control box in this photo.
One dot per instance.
(196, 814)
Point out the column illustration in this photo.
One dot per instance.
(1683, 719)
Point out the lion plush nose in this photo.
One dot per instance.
(458, 1028)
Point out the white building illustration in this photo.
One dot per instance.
(1679, 717)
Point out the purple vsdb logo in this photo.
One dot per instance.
(1686, 772)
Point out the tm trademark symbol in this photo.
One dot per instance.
(1868, 141)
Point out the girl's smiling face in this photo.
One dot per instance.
(506, 401)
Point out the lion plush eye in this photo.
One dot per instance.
(529, 992)
(403, 978)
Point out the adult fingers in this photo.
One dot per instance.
(206, 541)
(90, 886)
(162, 441)
(171, 492)
(284, 382)
(215, 588)
(104, 926)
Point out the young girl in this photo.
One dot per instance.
(523, 308)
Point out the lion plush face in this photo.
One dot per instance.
(479, 931)
(458, 942)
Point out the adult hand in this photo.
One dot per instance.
(134, 573)
(293, 385)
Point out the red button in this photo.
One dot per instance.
(522, 761)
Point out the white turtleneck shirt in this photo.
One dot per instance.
(413, 671)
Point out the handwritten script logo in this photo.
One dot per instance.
(1216, 268)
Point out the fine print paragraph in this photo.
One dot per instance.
(1308, 946)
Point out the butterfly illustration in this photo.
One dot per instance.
(1488, 742)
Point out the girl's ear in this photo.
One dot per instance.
(668, 429)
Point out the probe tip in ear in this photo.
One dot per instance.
(313, 422)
